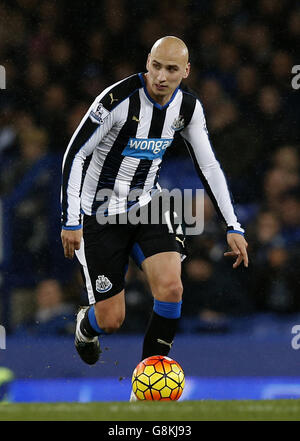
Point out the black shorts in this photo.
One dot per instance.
(105, 251)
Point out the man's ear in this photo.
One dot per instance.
(148, 62)
(187, 70)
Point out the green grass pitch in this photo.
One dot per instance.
(206, 410)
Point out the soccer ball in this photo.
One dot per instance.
(158, 378)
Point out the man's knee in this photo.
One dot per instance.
(169, 289)
(163, 272)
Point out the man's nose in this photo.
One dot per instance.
(161, 76)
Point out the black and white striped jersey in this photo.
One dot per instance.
(119, 146)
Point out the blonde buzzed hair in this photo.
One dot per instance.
(171, 42)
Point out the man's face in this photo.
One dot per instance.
(165, 72)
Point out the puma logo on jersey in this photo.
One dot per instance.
(135, 118)
(112, 99)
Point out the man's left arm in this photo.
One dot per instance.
(214, 182)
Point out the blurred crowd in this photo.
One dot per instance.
(59, 55)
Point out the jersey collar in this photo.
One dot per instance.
(155, 104)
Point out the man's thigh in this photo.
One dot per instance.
(159, 251)
(163, 237)
(163, 272)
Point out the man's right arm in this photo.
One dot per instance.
(93, 127)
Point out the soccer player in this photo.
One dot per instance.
(119, 145)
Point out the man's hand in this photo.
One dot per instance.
(71, 241)
(238, 246)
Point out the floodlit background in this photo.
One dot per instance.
(235, 339)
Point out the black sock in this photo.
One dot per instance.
(159, 335)
(86, 328)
